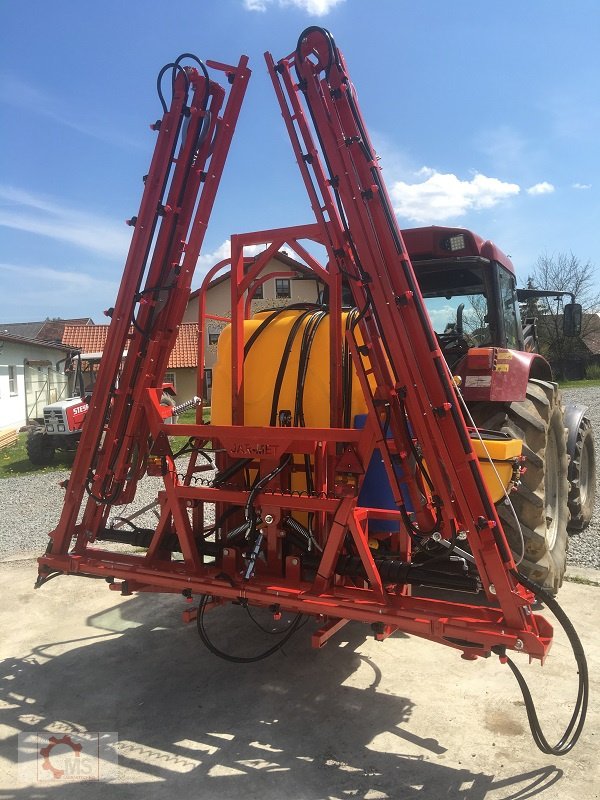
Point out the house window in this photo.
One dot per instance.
(13, 387)
(170, 378)
(258, 292)
(213, 338)
(282, 287)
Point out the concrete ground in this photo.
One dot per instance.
(358, 719)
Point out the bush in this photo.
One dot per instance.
(592, 372)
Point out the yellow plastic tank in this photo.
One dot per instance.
(498, 475)
(260, 374)
(261, 368)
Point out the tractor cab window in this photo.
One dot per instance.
(456, 300)
(508, 306)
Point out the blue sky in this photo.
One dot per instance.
(485, 115)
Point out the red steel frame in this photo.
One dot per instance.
(398, 353)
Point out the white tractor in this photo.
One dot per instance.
(61, 426)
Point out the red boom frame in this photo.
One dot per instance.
(414, 411)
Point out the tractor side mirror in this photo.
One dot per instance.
(572, 316)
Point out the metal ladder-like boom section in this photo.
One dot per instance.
(194, 135)
(414, 395)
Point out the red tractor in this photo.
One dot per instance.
(469, 289)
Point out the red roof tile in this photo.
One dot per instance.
(92, 338)
(185, 352)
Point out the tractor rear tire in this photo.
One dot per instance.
(539, 539)
(40, 449)
(582, 477)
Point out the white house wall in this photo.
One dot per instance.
(15, 354)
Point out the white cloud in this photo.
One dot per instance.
(22, 95)
(442, 196)
(23, 211)
(541, 188)
(319, 8)
(581, 185)
(208, 260)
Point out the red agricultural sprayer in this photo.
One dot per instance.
(273, 503)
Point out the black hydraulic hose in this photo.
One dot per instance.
(271, 318)
(575, 726)
(331, 46)
(228, 473)
(161, 74)
(417, 455)
(577, 721)
(310, 330)
(291, 525)
(444, 379)
(263, 482)
(333, 182)
(412, 528)
(155, 291)
(308, 337)
(240, 659)
(283, 364)
(395, 571)
(347, 374)
(192, 57)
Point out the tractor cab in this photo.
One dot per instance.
(470, 293)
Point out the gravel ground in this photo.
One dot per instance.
(31, 504)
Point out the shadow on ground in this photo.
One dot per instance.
(288, 727)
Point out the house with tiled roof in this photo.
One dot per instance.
(183, 361)
(49, 330)
(292, 282)
(31, 376)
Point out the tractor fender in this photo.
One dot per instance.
(525, 367)
(573, 415)
(501, 375)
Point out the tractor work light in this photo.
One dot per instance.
(454, 243)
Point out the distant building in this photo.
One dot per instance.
(183, 361)
(50, 330)
(570, 358)
(31, 376)
(301, 286)
(298, 286)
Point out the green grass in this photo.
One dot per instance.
(14, 460)
(189, 417)
(584, 384)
